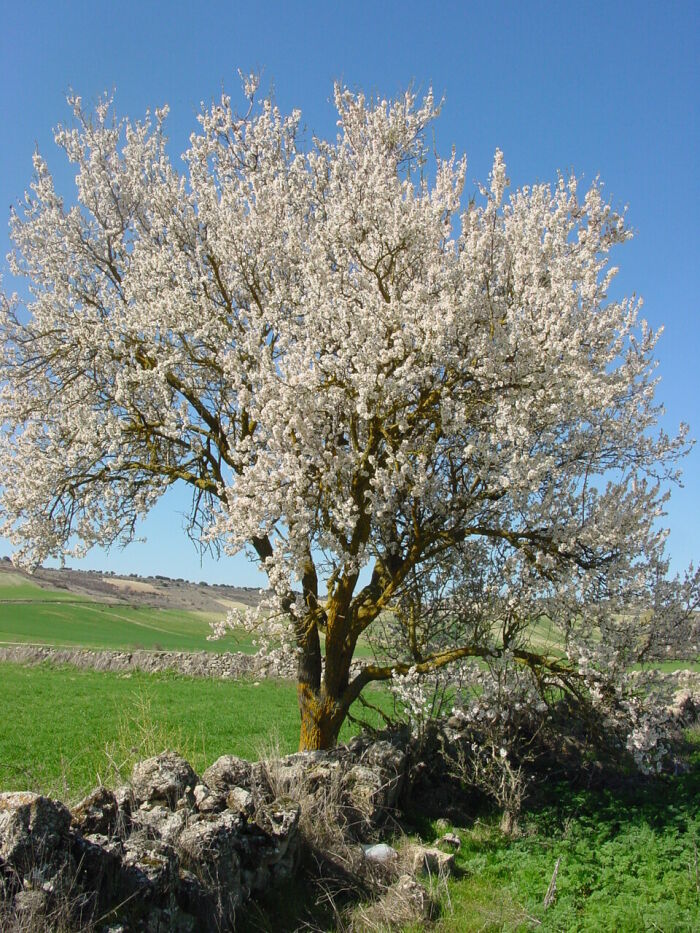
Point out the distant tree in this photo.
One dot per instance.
(352, 370)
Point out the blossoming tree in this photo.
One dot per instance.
(352, 370)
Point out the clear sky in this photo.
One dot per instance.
(603, 88)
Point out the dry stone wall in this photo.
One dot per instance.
(173, 851)
(228, 665)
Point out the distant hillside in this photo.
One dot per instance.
(158, 592)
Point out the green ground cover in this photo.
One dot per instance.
(668, 666)
(63, 730)
(51, 617)
(17, 588)
(629, 862)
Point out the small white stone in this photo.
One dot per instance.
(381, 853)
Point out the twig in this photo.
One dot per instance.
(551, 894)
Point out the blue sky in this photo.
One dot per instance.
(603, 88)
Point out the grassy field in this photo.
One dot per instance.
(63, 730)
(15, 588)
(37, 615)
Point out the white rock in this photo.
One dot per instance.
(381, 853)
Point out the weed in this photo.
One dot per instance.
(142, 734)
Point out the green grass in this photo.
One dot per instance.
(668, 666)
(63, 729)
(16, 588)
(629, 861)
(51, 617)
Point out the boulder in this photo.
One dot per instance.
(159, 823)
(404, 903)
(33, 830)
(279, 821)
(163, 779)
(428, 860)
(241, 801)
(99, 865)
(304, 773)
(409, 892)
(389, 759)
(207, 801)
(208, 851)
(124, 797)
(96, 813)
(371, 788)
(227, 772)
(149, 874)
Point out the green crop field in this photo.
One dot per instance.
(13, 589)
(33, 614)
(63, 730)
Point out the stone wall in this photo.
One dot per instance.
(232, 665)
(173, 851)
(227, 665)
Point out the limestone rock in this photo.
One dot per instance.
(124, 797)
(98, 860)
(240, 800)
(408, 891)
(97, 813)
(279, 820)
(164, 778)
(32, 829)
(207, 801)
(183, 854)
(450, 841)
(381, 854)
(304, 773)
(209, 851)
(227, 772)
(403, 903)
(159, 823)
(371, 788)
(428, 860)
(149, 872)
(387, 758)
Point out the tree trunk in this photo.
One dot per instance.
(321, 714)
(321, 719)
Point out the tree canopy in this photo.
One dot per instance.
(352, 369)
